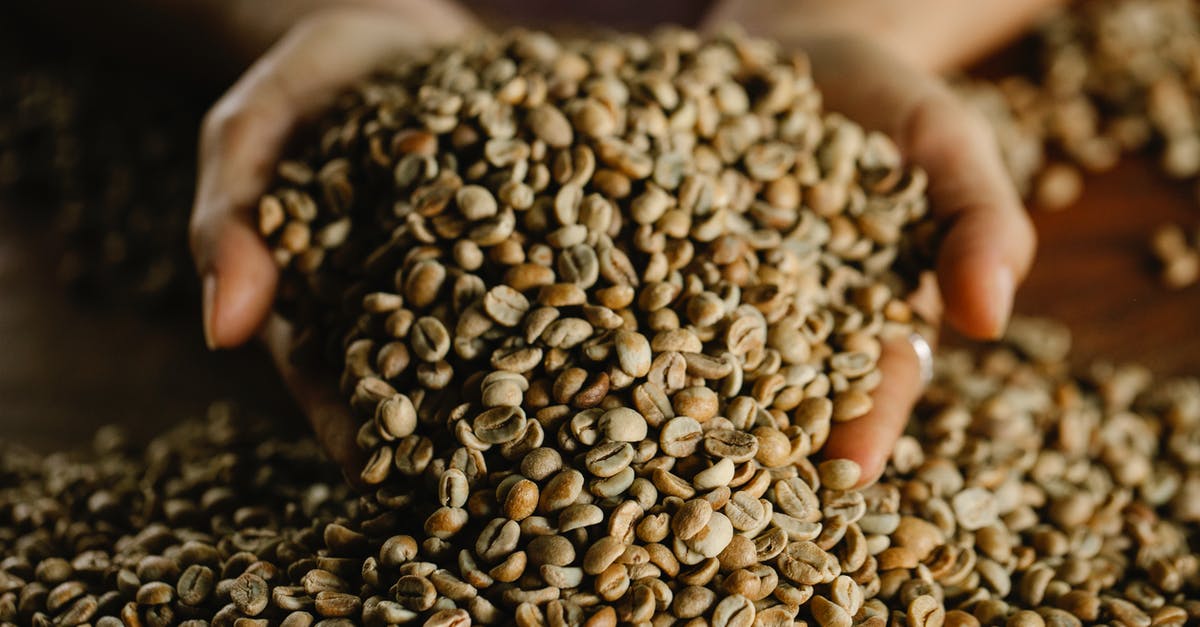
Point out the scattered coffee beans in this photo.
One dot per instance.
(1021, 496)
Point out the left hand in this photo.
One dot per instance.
(243, 137)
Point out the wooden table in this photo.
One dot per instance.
(1094, 271)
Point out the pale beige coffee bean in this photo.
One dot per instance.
(734, 611)
(453, 488)
(919, 536)
(554, 550)
(717, 475)
(713, 538)
(691, 518)
(475, 202)
(429, 339)
(579, 264)
(851, 404)
(975, 508)
(1058, 187)
(505, 305)
(395, 417)
(697, 402)
(561, 491)
(806, 563)
(540, 463)
(623, 425)
(633, 353)
(602, 554)
(499, 424)
(926, 611)
(1182, 270)
(839, 474)
(692, 601)
(579, 516)
(550, 125)
(609, 458)
(745, 512)
(737, 446)
(829, 614)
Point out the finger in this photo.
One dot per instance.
(869, 440)
(989, 242)
(926, 303)
(245, 132)
(333, 425)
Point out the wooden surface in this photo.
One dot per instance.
(1094, 271)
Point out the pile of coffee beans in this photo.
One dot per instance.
(1021, 496)
(597, 304)
(1115, 77)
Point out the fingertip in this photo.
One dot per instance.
(872, 470)
(243, 281)
(978, 294)
(864, 442)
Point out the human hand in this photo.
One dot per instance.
(988, 242)
(241, 141)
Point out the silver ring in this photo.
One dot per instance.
(924, 356)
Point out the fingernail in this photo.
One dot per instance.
(208, 314)
(1001, 300)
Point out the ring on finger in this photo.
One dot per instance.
(924, 353)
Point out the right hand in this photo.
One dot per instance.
(242, 139)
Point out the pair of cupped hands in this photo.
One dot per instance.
(986, 249)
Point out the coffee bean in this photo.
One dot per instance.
(839, 474)
(633, 353)
(195, 584)
(737, 446)
(623, 425)
(692, 517)
(155, 593)
(807, 564)
(250, 594)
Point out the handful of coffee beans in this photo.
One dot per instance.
(598, 303)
